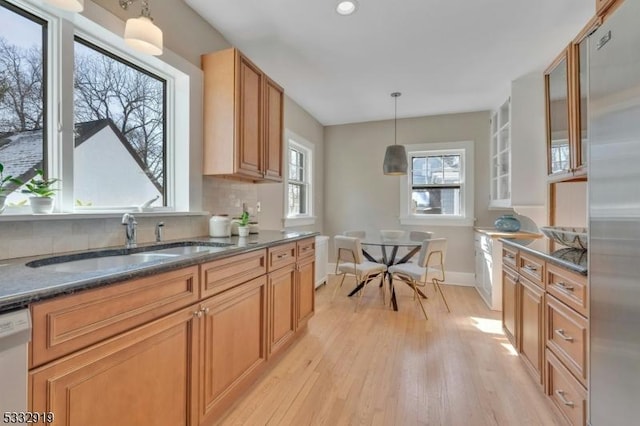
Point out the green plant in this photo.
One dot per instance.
(244, 219)
(40, 186)
(4, 180)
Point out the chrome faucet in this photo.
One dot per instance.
(159, 228)
(129, 221)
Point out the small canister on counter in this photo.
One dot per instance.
(220, 226)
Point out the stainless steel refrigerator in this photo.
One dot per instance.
(614, 218)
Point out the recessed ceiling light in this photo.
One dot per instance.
(346, 7)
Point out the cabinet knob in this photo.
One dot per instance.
(563, 398)
(197, 314)
(204, 311)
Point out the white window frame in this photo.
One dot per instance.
(303, 145)
(466, 217)
(183, 83)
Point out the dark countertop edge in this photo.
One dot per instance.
(560, 262)
(23, 300)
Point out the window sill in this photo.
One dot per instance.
(436, 221)
(299, 221)
(22, 217)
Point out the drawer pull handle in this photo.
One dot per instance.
(560, 332)
(530, 268)
(280, 256)
(564, 286)
(563, 398)
(509, 256)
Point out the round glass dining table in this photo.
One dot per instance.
(389, 248)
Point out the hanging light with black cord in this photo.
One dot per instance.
(395, 158)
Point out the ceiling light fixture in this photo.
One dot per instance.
(346, 7)
(395, 158)
(69, 5)
(141, 33)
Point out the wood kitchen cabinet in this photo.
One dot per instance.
(233, 339)
(243, 116)
(509, 304)
(531, 327)
(143, 376)
(305, 298)
(282, 296)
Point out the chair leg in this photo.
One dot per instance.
(360, 295)
(335, 290)
(436, 284)
(382, 286)
(417, 296)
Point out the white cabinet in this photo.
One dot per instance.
(488, 258)
(518, 154)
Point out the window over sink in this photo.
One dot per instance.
(112, 125)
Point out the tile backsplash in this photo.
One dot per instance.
(225, 196)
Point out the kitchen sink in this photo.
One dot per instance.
(120, 258)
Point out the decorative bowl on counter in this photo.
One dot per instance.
(567, 236)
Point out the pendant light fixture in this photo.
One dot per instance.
(395, 158)
(69, 5)
(141, 33)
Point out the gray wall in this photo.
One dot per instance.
(359, 196)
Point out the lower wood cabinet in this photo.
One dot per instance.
(282, 295)
(531, 328)
(141, 377)
(305, 290)
(565, 391)
(149, 357)
(233, 345)
(509, 304)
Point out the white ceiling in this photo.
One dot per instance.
(443, 55)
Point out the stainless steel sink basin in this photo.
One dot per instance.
(120, 258)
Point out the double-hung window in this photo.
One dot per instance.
(438, 190)
(112, 124)
(299, 181)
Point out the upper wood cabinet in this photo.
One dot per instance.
(243, 119)
(604, 7)
(566, 89)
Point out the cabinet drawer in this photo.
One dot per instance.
(509, 256)
(567, 335)
(282, 255)
(532, 268)
(66, 324)
(566, 392)
(223, 274)
(569, 287)
(306, 248)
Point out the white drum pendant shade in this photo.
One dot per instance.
(70, 5)
(395, 160)
(143, 35)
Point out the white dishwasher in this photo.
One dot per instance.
(15, 333)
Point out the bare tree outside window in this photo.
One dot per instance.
(129, 102)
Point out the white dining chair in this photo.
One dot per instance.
(356, 234)
(430, 265)
(418, 236)
(350, 261)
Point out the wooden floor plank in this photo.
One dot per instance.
(380, 367)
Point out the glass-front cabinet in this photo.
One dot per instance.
(557, 106)
(501, 156)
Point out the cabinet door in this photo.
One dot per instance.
(233, 345)
(305, 290)
(531, 327)
(249, 140)
(509, 304)
(141, 377)
(580, 86)
(557, 106)
(282, 323)
(273, 121)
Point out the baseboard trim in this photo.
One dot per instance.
(464, 279)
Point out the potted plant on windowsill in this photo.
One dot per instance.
(4, 182)
(243, 225)
(42, 192)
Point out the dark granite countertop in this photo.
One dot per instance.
(572, 259)
(21, 285)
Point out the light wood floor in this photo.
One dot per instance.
(380, 367)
